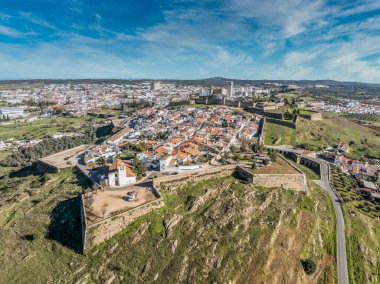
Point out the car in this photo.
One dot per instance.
(130, 196)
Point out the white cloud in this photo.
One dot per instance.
(294, 58)
(289, 17)
(11, 32)
(37, 21)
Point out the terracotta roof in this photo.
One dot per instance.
(161, 150)
(115, 165)
(129, 171)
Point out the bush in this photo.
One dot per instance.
(308, 266)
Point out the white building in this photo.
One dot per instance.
(168, 163)
(119, 174)
(205, 93)
(11, 112)
(155, 86)
(230, 89)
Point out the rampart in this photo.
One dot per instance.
(281, 122)
(83, 223)
(105, 229)
(44, 167)
(287, 181)
(313, 116)
(175, 180)
(94, 184)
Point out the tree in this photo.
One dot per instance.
(139, 168)
(141, 147)
(257, 148)
(237, 157)
(233, 148)
(266, 162)
(308, 266)
(273, 156)
(288, 115)
(101, 161)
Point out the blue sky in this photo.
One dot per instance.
(248, 39)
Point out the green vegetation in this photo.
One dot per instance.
(139, 168)
(309, 266)
(26, 156)
(315, 135)
(274, 132)
(363, 246)
(279, 166)
(364, 117)
(221, 234)
(362, 218)
(346, 189)
(310, 174)
(44, 127)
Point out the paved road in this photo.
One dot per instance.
(340, 234)
(341, 252)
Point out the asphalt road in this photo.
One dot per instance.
(341, 252)
(340, 233)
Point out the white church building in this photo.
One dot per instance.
(119, 174)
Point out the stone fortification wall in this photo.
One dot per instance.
(262, 131)
(232, 103)
(175, 180)
(83, 222)
(316, 116)
(180, 103)
(313, 117)
(99, 232)
(281, 122)
(254, 110)
(274, 115)
(286, 181)
(107, 228)
(44, 167)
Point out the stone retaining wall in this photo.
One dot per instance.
(83, 223)
(286, 181)
(282, 122)
(44, 167)
(176, 180)
(101, 231)
(107, 228)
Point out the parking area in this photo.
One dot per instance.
(104, 203)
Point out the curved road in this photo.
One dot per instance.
(341, 252)
(340, 234)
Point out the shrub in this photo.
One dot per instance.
(308, 266)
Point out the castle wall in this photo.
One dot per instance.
(107, 228)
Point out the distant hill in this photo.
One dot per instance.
(215, 81)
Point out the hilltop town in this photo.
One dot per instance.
(131, 148)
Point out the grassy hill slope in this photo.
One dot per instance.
(215, 231)
(329, 131)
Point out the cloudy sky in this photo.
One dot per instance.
(247, 39)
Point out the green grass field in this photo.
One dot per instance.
(329, 131)
(11, 86)
(41, 128)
